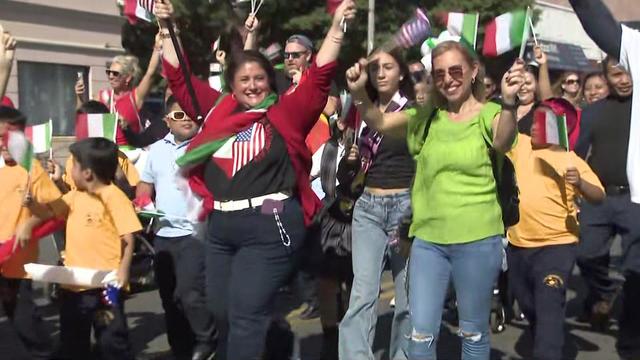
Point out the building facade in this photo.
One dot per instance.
(57, 42)
(558, 23)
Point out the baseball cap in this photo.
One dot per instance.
(302, 40)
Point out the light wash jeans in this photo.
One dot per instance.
(374, 219)
(474, 268)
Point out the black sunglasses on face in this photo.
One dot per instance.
(293, 54)
(418, 76)
(571, 81)
(112, 72)
(456, 72)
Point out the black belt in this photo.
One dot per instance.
(616, 189)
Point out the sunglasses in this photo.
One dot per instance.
(456, 72)
(571, 81)
(178, 116)
(293, 54)
(418, 76)
(112, 72)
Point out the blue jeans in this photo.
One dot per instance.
(474, 268)
(374, 219)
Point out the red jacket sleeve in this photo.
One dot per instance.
(205, 95)
(299, 110)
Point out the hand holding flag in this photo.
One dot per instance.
(512, 81)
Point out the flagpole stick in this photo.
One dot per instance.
(525, 35)
(185, 72)
(533, 32)
(475, 38)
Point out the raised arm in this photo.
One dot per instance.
(505, 125)
(145, 83)
(205, 95)
(7, 53)
(310, 96)
(545, 91)
(394, 124)
(251, 25)
(332, 42)
(600, 25)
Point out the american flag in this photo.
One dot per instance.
(147, 5)
(414, 31)
(247, 145)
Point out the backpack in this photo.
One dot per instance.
(504, 174)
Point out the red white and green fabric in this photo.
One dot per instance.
(551, 129)
(19, 148)
(463, 25)
(40, 136)
(96, 125)
(46, 228)
(504, 33)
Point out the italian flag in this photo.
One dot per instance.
(19, 148)
(46, 228)
(504, 33)
(40, 136)
(463, 25)
(96, 125)
(551, 129)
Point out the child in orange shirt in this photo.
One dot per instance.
(15, 289)
(99, 235)
(542, 246)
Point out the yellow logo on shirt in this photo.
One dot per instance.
(554, 281)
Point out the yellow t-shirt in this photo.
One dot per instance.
(13, 182)
(130, 171)
(95, 223)
(547, 210)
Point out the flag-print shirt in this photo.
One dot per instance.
(294, 115)
(386, 160)
(252, 163)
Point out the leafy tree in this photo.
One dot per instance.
(201, 22)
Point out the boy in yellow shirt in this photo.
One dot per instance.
(542, 246)
(101, 222)
(15, 288)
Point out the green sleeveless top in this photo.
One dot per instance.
(454, 196)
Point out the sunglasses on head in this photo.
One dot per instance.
(571, 81)
(293, 54)
(456, 72)
(178, 115)
(112, 72)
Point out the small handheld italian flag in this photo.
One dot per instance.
(19, 148)
(96, 125)
(506, 32)
(463, 25)
(550, 128)
(40, 136)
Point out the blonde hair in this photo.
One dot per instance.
(130, 66)
(477, 87)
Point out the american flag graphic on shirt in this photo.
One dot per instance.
(240, 149)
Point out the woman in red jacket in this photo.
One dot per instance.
(251, 165)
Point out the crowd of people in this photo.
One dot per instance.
(446, 177)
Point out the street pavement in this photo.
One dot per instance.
(146, 324)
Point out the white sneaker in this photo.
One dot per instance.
(392, 303)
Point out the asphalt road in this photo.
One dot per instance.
(146, 325)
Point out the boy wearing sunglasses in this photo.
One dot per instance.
(179, 263)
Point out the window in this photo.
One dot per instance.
(47, 91)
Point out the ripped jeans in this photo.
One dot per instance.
(473, 267)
